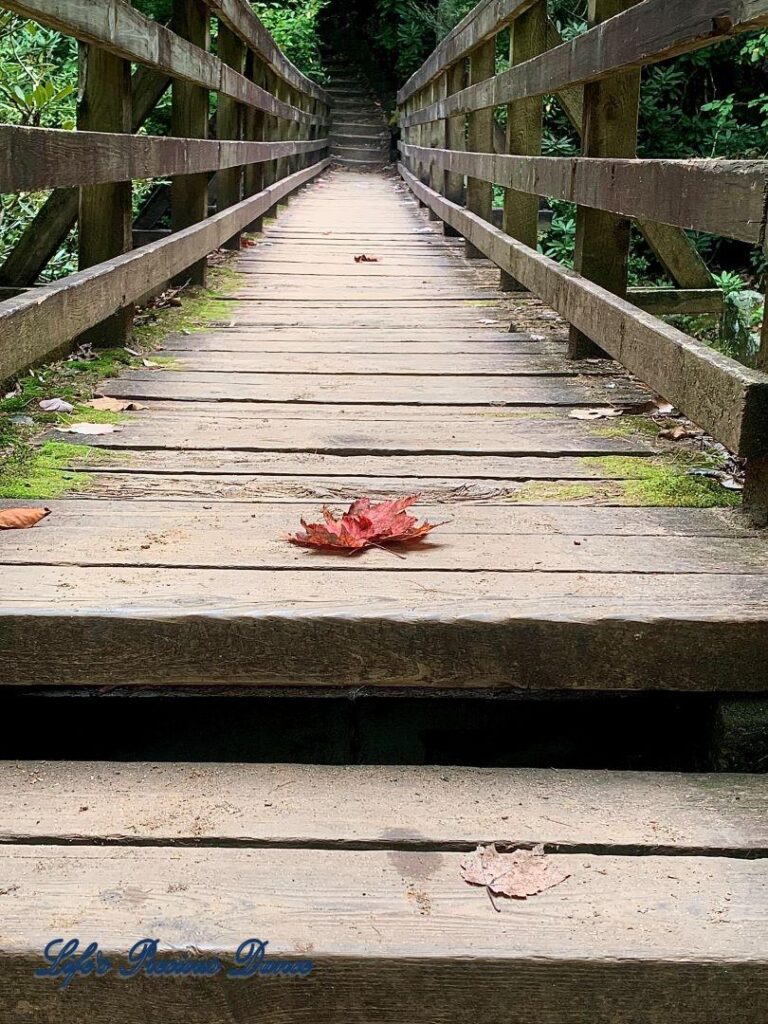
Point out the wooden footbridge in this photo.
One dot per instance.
(319, 379)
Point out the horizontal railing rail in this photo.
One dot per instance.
(271, 139)
(451, 161)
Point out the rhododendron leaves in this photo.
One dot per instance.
(22, 518)
(364, 525)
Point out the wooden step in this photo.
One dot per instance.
(661, 914)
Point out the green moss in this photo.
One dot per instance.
(45, 472)
(666, 481)
(553, 492)
(629, 426)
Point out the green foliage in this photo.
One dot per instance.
(294, 27)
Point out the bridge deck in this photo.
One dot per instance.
(327, 379)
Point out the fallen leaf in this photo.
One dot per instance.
(677, 433)
(114, 404)
(366, 259)
(22, 518)
(364, 525)
(151, 365)
(91, 428)
(730, 483)
(55, 405)
(594, 414)
(515, 875)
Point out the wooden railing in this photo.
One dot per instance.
(271, 126)
(450, 162)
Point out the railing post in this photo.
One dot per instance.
(436, 176)
(482, 65)
(609, 129)
(756, 477)
(253, 131)
(229, 119)
(455, 138)
(271, 123)
(528, 38)
(189, 119)
(105, 215)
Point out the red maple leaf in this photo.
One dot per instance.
(363, 526)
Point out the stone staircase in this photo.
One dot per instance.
(359, 136)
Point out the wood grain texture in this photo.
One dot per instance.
(646, 34)
(116, 27)
(39, 322)
(381, 925)
(364, 807)
(715, 391)
(724, 197)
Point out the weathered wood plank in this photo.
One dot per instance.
(38, 322)
(482, 66)
(56, 218)
(476, 538)
(351, 389)
(380, 926)
(484, 21)
(116, 27)
(725, 397)
(535, 630)
(724, 197)
(105, 211)
(32, 159)
(405, 808)
(229, 125)
(240, 18)
(648, 33)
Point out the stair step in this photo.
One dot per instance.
(357, 873)
(363, 153)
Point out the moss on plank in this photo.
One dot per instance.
(45, 472)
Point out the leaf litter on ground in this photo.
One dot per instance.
(364, 525)
(22, 518)
(515, 875)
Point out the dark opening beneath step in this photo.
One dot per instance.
(670, 732)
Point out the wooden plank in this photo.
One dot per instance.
(484, 21)
(727, 399)
(527, 38)
(487, 364)
(428, 629)
(723, 197)
(358, 806)
(648, 33)
(229, 125)
(105, 212)
(119, 29)
(32, 159)
(36, 323)
(190, 115)
(382, 925)
(351, 389)
(609, 129)
(677, 301)
(57, 216)
(240, 19)
(482, 66)
(363, 430)
(315, 466)
(476, 538)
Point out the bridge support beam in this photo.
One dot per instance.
(189, 118)
(105, 215)
(527, 39)
(482, 65)
(609, 129)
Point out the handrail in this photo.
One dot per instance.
(118, 28)
(449, 162)
(271, 142)
(649, 32)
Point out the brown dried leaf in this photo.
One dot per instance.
(22, 518)
(678, 433)
(364, 525)
(594, 414)
(114, 404)
(516, 875)
(366, 259)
